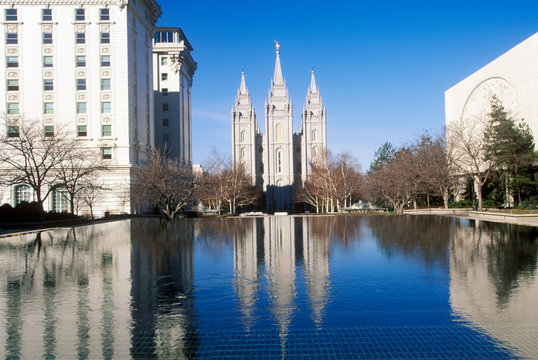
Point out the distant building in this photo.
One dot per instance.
(278, 160)
(173, 69)
(89, 65)
(512, 78)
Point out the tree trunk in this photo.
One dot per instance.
(445, 197)
(478, 186)
(414, 203)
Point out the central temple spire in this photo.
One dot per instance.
(313, 88)
(278, 79)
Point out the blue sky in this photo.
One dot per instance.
(381, 66)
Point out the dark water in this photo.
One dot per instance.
(273, 287)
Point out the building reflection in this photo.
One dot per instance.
(61, 299)
(162, 290)
(493, 282)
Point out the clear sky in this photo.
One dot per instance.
(382, 67)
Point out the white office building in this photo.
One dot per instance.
(89, 65)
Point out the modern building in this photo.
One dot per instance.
(173, 69)
(512, 78)
(88, 65)
(278, 160)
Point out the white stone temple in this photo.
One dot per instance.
(278, 160)
(92, 66)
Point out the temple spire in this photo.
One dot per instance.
(278, 79)
(313, 88)
(243, 88)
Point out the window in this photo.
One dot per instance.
(105, 38)
(13, 109)
(80, 38)
(80, 15)
(105, 60)
(105, 107)
(278, 131)
(279, 161)
(12, 38)
(49, 131)
(81, 108)
(106, 130)
(164, 76)
(81, 60)
(12, 131)
(12, 61)
(12, 85)
(105, 84)
(243, 153)
(47, 61)
(166, 137)
(164, 37)
(48, 108)
(11, 14)
(104, 14)
(165, 122)
(47, 38)
(164, 92)
(165, 107)
(59, 199)
(314, 135)
(82, 130)
(23, 193)
(81, 84)
(315, 151)
(48, 85)
(46, 14)
(164, 60)
(106, 153)
(243, 136)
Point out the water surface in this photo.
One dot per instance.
(272, 287)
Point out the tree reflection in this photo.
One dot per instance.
(162, 290)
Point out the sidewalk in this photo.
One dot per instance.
(517, 219)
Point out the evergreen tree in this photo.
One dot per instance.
(511, 148)
(384, 155)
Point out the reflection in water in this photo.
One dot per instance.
(162, 290)
(127, 289)
(493, 282)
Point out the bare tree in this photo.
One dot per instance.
(165, 183)
(211, 186)
(76, 172)
(239, 191)
(90, 192)
(467, 143)
(348, 179)
(30, 155)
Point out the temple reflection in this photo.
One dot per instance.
(493, 282)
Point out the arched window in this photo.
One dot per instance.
(243, 136)
(243, 153)
(278, 131)
(23, 193)
(314, 135)
(279, 161)
(59, 199)
(244, 168)
(314, 151)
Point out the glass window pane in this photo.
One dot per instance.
(105, 38)
(104, 14)
(12, 38)
(81, 108)
(105, 107)
(12, 131)
(48, 108)
(81, 130)
(13, 85)
(23, 193)
(105, 60)
(11, 14)
(12, 108)
(81, 60)
(49, 131)
(164, 60)
(47, 61)
(59, 200)
(106, 130)
(105, 84)
(81, 84)
(80, 15)
(48, 85)
(106, 153)
(80, 38)
(46, 15)
(13, 61)
(47, 38)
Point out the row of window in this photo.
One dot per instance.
(24, 193)
(48, 84)
(48, 108)
(80, 38)
(46, 14)
(82, 131)
(13, 61)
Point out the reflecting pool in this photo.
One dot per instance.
(292, 287)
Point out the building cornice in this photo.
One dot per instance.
(152, 5)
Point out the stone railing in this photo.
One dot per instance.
(438, 211)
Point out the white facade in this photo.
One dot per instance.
(278, 160)
(173, 70)
(512, 78)
(89, 65)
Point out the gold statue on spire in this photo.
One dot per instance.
(277, 45)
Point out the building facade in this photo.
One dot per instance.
(278, 160)
(88, 66)
(512, 78)
(173, 70)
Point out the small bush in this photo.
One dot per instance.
(465, 203)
